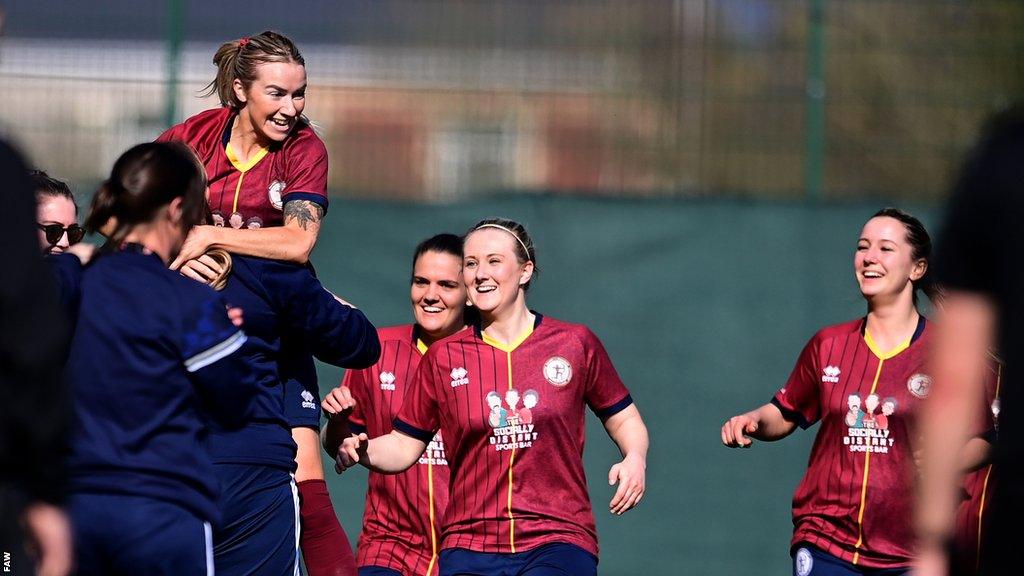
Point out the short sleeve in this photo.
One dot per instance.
(799, 399)
(356, 382)
(306, 175)
(175, 133)
(419, 415)
(604, 392)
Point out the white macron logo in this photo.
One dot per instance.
(307, 400)
(830, 374)
(387, 381)
(459, 377)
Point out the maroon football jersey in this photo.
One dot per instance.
(513, 423)
(403, 511)
(856, 499)
(252, 195)
(980, 484)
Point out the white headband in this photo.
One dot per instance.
(514, 235)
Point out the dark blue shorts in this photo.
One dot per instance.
(258, 534)
(556, 559)
(378, 571)
(811, 561)
(118, 534)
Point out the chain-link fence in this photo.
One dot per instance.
(444, 100)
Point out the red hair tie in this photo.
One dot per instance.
(243, 42)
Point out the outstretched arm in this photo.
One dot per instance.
(627, 430)
(292, 242)
(765, 423)
(388, 454)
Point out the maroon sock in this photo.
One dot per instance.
(325, 547)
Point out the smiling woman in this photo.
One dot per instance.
(262, 158)
(508, 398)
(267, 173)
(865, 381)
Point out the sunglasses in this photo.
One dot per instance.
(54, 232)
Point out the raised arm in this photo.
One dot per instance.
(626, 428)
(765, 423)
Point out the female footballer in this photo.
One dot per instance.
(282, 302)
(864, 380)
(154, 360)
(267, 173)
(401, 520)
(518, 498)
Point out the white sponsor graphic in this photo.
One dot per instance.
(866, 430)
(512, 425)
(558, 371)
(920, 385)
(830, 375)
(434, 454)
(459, 377)
(274, 192)
(308, 401)
(387, 381)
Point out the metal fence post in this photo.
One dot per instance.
(814, 159)
(175, 25)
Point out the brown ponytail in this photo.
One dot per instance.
(239, 59)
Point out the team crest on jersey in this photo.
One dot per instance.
(434, 454)
(274, 192)
(387, 381)
(920, 385)
(557, 371)
(459, 377)
(511, 424)
(308, 401)
(803, 561)
(867, 423)
(830, 375)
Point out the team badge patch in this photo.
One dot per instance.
(557, 371)
(804, 562)
(920, 385)
(274, 192)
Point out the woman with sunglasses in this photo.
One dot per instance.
(56, 213)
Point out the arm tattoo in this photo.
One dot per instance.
(305, 211)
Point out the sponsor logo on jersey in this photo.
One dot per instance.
(830, 375)
(920, 385)
(867, 423)
(274, 192)
(557, 371)
(459, 377)
(511, 418)
(803, 562)
(434, 454)
(308, 401)
(387, 381)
